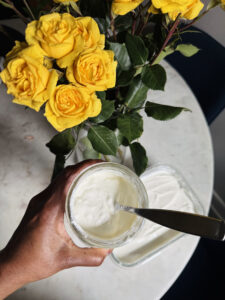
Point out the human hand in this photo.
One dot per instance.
(40, 246)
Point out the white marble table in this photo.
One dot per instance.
(25, 169)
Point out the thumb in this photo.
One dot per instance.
(87, 256)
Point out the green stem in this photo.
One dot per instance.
(5, 4)
(29, 9)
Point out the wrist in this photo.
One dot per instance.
(11, 278)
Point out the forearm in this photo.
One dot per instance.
(11, 278)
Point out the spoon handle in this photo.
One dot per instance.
(199, 225)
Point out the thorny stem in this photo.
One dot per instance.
(170, 34)
(112, 24)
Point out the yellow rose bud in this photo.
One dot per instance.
(63, 37)
(95, 70)
(69, 106)
(188, 9)
(27, 79)
(122, 7)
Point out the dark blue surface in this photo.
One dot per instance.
(204, 276)
(204, 72)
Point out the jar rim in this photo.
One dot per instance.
(124, 237)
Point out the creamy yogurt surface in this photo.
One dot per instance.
(164, 191)
(93, 203)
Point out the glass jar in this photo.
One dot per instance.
(83, 238)
(146, 246)
(84, 150)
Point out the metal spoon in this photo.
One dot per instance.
(199, 225)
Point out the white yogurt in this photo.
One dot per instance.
(94, 199)
(164, 191)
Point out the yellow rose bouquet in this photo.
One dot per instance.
(89, 64)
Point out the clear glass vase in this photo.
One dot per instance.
(84, 150)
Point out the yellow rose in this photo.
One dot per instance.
(69, 106)
(189, 9)
(122, 7)
(63, 37)
(95, 70)
(27, 79)
(223, 4)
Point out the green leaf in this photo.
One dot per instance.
(62, 143)
(136, 49)
(123, 22)
(101, 95)
(130, 125)
(59, 165)
(103, 140)
(103, 24)
(167, 51)
(187, 49)
(140, 159)
(121, 55)
(136, 94)
(107, 110)
(154, 77)
(162, 112)
(125, 78)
